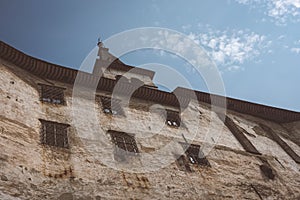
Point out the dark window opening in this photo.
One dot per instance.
(196, 156)
(111, 106)
(124, 141)
(52, 94)
(54, 134)
(267, 171)
(183, 164)
(173, 118)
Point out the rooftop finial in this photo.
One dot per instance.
(99, 42)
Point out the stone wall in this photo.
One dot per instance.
(111, 74)
(88, 169)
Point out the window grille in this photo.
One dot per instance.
(111, 106)
(51, 94)
(173, 118)
(183, 164)
(196, 156)
(54, 134)
(124, 141)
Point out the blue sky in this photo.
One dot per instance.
(255, 44)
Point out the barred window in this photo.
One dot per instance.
(196, 156)
(173, 118)
(124, 141)
(51, 94)
(111, 106)
(54, 134)
(183, 164)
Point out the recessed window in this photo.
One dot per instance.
(196, 156)
(124, 141)
(111, 106)
(54, 134)
(267, 171)
(173, 118)
(183, 164)
(51, 94)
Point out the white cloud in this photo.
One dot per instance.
(295, 50)
(234, 68)
(297, 42)
(295, 3)
(281, 37)
(280, 11)
(231, 49)
(186, 27)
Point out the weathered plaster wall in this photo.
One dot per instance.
(30, 170)
(113, 73)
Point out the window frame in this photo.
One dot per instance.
(124, 141)
(192, 152)
(64, 135)
(173, 118)
(106, 104)
(45, 97)
(183, 164)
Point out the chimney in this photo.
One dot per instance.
(104, 60)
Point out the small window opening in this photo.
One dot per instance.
(111, 106)
(183, 164)
(173, 118)
(267, 171)
(124, 141)
(196, 156)
(54, 134)
(52, 94)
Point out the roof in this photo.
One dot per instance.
(120, 66)
(67, 75)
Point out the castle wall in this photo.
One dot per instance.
(111, 74)
(87, 169)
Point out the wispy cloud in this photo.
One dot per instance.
(280, 11)
(297, 42)
(231, 49)
(295, 50)
(234, 68)
(186, 27)
(296, 47)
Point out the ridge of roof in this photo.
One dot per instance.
(52, 71)
(117, 64)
